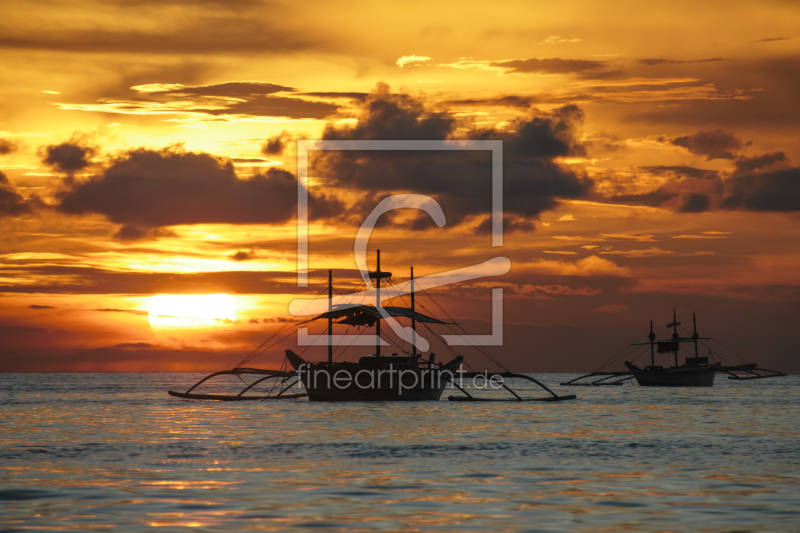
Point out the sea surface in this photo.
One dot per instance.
(114, 452)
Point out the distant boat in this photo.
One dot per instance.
(411, 377)
(694, 372)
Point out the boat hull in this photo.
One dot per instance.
(353, 385)
(682, 376)
(373, 380)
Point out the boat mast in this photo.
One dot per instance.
(413, 322)
(675, 335)
(330, 318)
(694, 335)
(377, 306)
(652, 338)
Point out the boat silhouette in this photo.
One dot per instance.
(414, 376)
(696, 371)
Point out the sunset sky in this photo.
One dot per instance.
(147, 149)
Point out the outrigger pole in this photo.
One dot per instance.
(330, 318)
(377, 306)
(413, 322)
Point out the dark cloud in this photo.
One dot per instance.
(276, 144)
(715, 144)
(760, 183)
(360, 97)
(460, 181)
(651, 62)
(554, 65)
(11, 202)
(235, 89)
(221, 34)
(605, 143)
(778, 190)
(219, 100)
(661, 61)
(686, 189)
(8, 147)
(650, 199)
(239, 98)
(68, 157)
(603, 75)
(11, 334)
(272, 106)
(128, 311)
(510, 225)
(34, 306)
(130, 232)
(62, 279)
(511, 100)
(694, 202)
(150, 189)
(759, 92)
(748, 164)
(243, 255)
(275, 320)
(544, 137)
(771, 39)
(249, 160)
(135, 346)
(395, 116)
(681, 170)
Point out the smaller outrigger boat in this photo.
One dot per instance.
(696, 371)
(413, 376)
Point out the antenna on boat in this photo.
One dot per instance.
(695, 336)
(652, 338)
(330, 318)
(413, 322)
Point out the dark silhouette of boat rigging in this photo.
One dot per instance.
(412, 377)
(696, 371)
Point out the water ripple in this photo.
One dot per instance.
(113, 451)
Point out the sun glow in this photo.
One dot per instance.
(190, 310)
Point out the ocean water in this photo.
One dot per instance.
(114, 452)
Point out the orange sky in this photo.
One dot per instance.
(651, 160)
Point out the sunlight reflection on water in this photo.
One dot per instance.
(113, 451)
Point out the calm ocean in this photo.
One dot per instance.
(114, 452)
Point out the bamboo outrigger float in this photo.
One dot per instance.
(516, 397)
(412, 377)
(279, 376)
(695, 372)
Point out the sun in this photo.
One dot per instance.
(190, 310)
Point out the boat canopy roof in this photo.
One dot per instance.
(367, 315)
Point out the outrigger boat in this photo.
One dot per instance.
(412, 377)
(694, 372)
